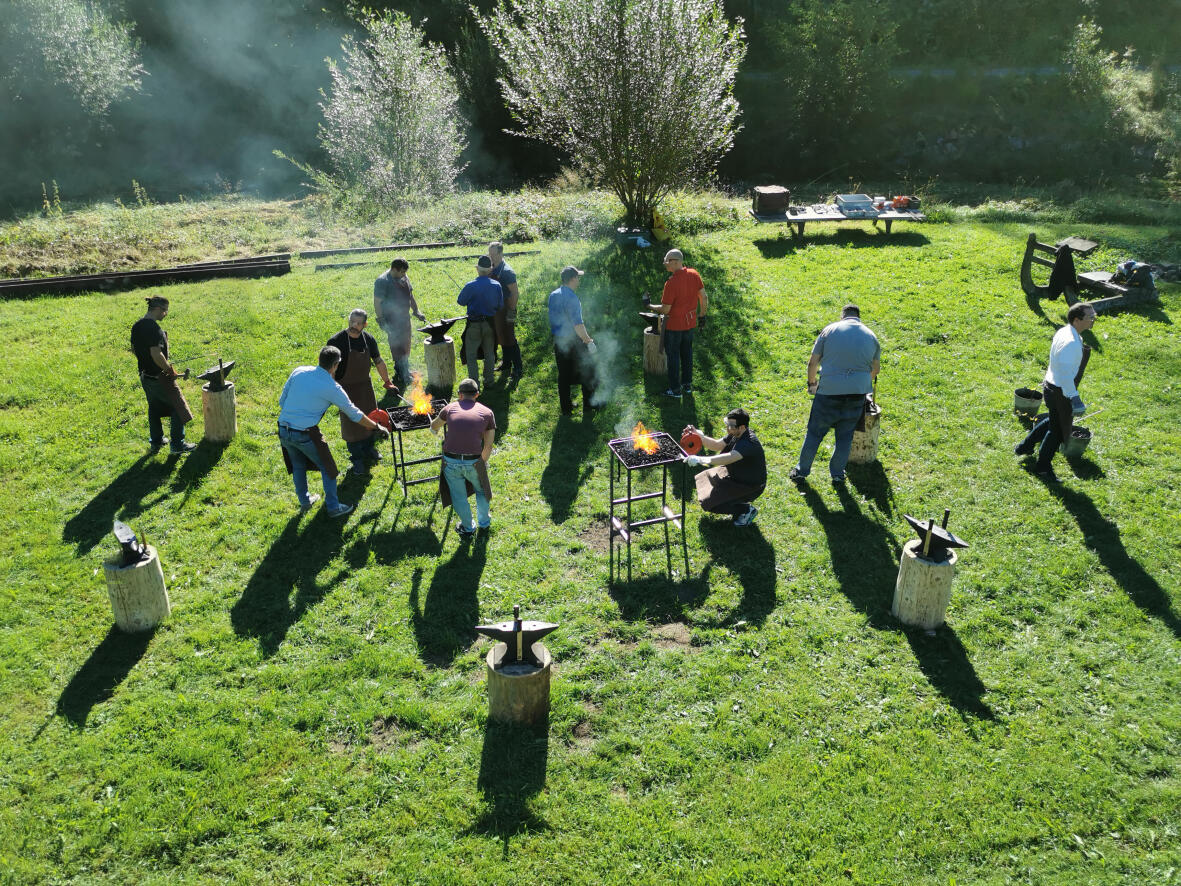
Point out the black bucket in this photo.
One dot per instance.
(1027, 401)
(1077, 444)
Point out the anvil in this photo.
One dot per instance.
(936, 539)
(519, 636)
(438, 329)
(653, 321)
(216, 375)
(133, 550)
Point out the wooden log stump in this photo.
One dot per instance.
(865, 442)
(139, 599)
(220, 409)
(518, 692)
(655, 360)
(440, 365)
(923, 588)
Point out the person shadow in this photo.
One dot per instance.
(444, 623)
(872, 483)
(864, 557)
(512, 772)
(107, 667)
(287, 582)
(749, 557)
(196, 466)
(567, 468)
(124, 496)
(1103, 537)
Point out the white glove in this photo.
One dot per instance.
(694, 461)
(591, 347)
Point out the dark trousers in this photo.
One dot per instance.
(678, 348)
(159, 406)
(573, 368)
(1048, 430)
(512, 360)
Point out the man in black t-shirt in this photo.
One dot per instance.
(738, 473)
(150, 343)
(358, 350)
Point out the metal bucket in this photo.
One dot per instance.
(1077, 443)
(1027, 401)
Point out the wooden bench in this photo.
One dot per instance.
(1112, 295)
(797, 219)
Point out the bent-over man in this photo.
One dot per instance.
(847, 357)
(149, 341)
(506, 317)
(684, 304)
(1068, 361)
(573, 346)
(306, 396)
(482, 297)
(737, 475)
(467, 446)
(358, 350)
(393, 303)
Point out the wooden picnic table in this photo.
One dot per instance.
(829, 212)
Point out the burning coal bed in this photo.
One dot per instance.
(404, 418)
(666, 450)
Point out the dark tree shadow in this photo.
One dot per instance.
(512, 772)
(819, 234)
(286, 583)
(865, 560)
(747, 554)
(778, 247)
(108, 666)
(567, 467)
(1103, 537)
(123, 497)
(870, 480)
(445, 622)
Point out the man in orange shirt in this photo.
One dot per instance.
(684, 305)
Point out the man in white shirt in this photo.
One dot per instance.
(1068, 359)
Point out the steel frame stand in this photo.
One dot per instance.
(400, 464)
(624, 528)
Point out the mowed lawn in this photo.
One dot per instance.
(745, 710)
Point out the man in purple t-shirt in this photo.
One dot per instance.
(467, 446)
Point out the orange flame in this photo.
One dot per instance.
(642, 439)
(419, 398)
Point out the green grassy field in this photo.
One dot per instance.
(314, 710)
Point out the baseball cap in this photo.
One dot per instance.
(484, 262)
(570, 272)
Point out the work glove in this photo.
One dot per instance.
(591, 347)
(701, 322)
(694, 461)
(1077, 406)
(382, 430)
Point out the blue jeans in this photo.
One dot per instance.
(839, 414)
(455, 472)
(303, 452)
(678, 348)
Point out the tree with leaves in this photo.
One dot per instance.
(639, 93)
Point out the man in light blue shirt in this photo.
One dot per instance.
(306, 396)
(483, 297)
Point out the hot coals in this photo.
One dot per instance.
(644, 449)
(405, 418)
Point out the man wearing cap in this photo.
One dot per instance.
(847, 356)
(306, 396)
(573, 346)
(467, 446)
(358, 350)
(738, 473)
(506, 317)
(483, 297)
(158, 379)
(684, 305)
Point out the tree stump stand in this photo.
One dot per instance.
(865, 442)
(655, 360)
(139, 599)
(923, 589)
(440, 365)
(518, 693)
(220, 409)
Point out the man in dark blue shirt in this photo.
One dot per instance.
(738, 473)
(573, 346)
(483, 297)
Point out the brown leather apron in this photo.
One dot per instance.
(357, 385)
(716, 488)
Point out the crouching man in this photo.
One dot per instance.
(738, 473)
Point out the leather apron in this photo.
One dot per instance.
(716, 488)
(322, 450)
(357, 385)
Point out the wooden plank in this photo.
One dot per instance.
(358, 264)
(323, 253)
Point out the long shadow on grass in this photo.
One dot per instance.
(107, 667)
(123, 496)
(445, 622)
(658, 598)
(848, 238)
(1104, 538)
(567, 467)
(287, 582)
(746, 554)
(865, 560)
(512, 772)
(197, 464)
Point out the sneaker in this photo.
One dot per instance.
(795, 476)
(836, 481)
(486, 530)
(1047, 476)
(1021, 450)
(340, 510)
(671, 393)
(686, 389)
(156, 447)
(359, 469)
(312, 499)
(463, 531)
(747, 518)
(182, 448)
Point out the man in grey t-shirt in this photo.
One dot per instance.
(847, 357)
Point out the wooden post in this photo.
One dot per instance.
(139, 599)
(923, 588)
(519, 692)
(221, 413)
(865, 442)
(440, 365)
(655, 360)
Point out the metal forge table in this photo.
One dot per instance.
(625, 456)
(404, 419)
